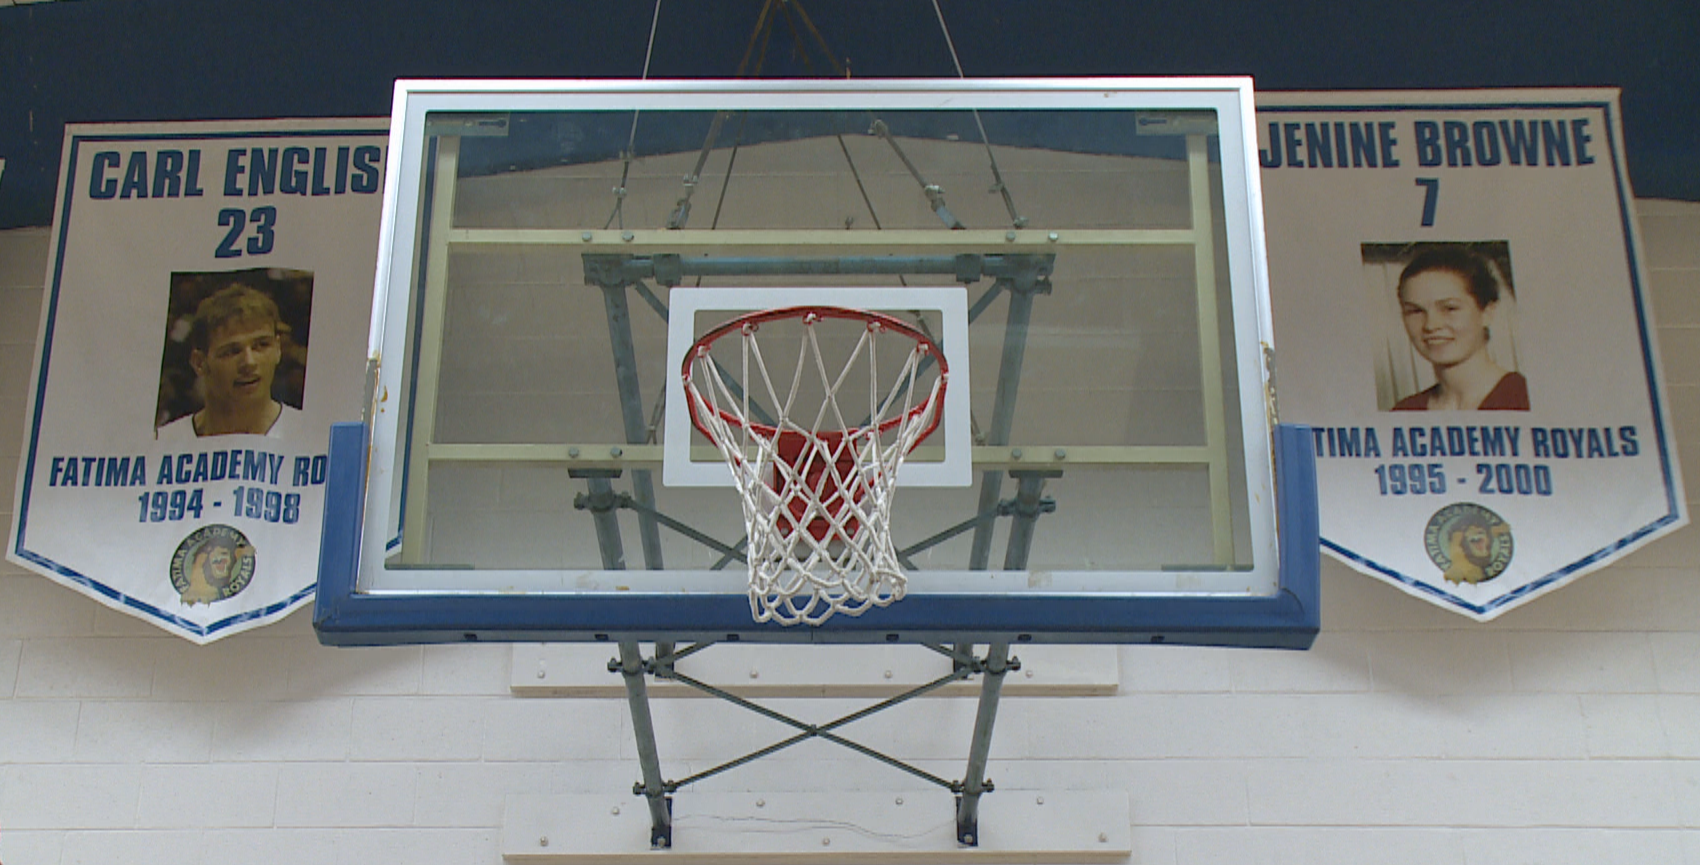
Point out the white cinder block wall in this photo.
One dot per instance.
(1566, 732)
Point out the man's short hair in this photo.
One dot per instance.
(235, 302)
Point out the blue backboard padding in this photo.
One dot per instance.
(1290, 618)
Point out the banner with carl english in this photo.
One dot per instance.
(208, 292)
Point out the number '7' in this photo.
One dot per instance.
(1431, 195)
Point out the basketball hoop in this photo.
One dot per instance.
(816, 487)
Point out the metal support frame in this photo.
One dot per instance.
(658, 793)
(630, 666)
(975, 783)
(1018, 259)
(1028, 506)
(602, 502)
(671, 269)
(1021, 275)
(1029, 503)
(631, 412)
(1022, 288)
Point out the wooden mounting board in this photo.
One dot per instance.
(885, 827)
(581, 670)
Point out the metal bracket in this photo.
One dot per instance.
(661, 836)
(601, 501)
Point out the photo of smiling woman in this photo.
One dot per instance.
(1454, 348)
(235, 357)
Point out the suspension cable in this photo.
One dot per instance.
(759, 38)
(933, 192)
(631, 139)
(841, 71)
(1015, 217)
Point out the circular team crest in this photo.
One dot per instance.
(1468, 543)
(211, 564)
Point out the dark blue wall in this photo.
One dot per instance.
(112, 60)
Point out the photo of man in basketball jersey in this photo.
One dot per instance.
(247, 369)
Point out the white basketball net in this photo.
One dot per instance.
(816, 491)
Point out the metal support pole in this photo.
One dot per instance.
(630, 667)
(602, 502)
(1028, 506)
(1021, 292)
(631, 413)
(975, 783)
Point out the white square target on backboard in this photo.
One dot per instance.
(949, 306)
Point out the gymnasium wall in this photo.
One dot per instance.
(1567, 731)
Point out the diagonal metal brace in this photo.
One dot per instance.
(633, 667)
(607, 501)
(1008, 507)
(821, 731)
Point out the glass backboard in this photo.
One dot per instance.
(1088, 252)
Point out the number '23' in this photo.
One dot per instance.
(263, 220)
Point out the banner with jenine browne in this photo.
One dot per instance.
(1461, 315)
(207, 298)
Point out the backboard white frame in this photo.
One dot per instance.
(1229, 98)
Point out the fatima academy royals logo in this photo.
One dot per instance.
(213, 563)
(1468, 543)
